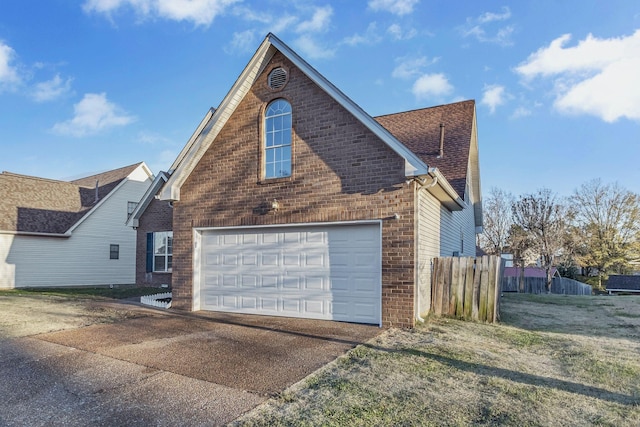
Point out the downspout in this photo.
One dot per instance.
(422, 185)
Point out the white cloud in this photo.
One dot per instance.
(94, 113)
(398, 33)
(200, 12)
(477, 27)
(370, 37)
(411, 67)
(9, 77)
(51, 89)
(431, 86)
(310, 48)
(521, 112)
(241, 42)
(319, 21)
(493, 96)
(397, 7)
(490, 16)
(597, 76)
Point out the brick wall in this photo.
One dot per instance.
(157, 217)
(341, 172)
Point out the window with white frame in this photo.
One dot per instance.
(131, 206)
(160, 251)
(277, 143)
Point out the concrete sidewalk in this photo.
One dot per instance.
(163, 368)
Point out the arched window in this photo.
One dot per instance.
(277, 139)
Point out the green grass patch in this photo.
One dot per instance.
(120, 292)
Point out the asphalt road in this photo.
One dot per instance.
(152, 367)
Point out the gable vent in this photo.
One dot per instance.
(277, 78)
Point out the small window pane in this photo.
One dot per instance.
(270, 172)
(169, 262)
(114, 251)
(159, 263)
(286, 168)
(286, 153)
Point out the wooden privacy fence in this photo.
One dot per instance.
(466, 288)
(537, 285)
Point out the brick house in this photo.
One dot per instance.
(290, 200)
(153, 221)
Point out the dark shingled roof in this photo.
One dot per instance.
(624, 282)
(419, 130)
(39, 205)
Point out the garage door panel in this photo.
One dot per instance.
(212, 259)
(269, 282)
(291, 282)
(323, 272)
(249, 303)
(249, 281)
(269, 259)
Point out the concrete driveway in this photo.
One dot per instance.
(157, 368)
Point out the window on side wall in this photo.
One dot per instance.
(277, 140)
(160, 252)
(131, 206)
(114, 251)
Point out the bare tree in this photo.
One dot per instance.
(608, 218)
(497, 221)
(544, 221)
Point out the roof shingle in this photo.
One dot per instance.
(38, 205)
(419, 130)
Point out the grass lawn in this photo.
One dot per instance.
(117, 292)
(553, 360)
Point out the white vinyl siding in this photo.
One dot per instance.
(428, 217)
(82, 258)
(455, 225)
(439, 235)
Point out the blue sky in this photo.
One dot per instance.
(87, 86)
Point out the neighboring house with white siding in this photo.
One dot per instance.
(69, 233)
(291, 200)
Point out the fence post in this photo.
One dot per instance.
(462, 269)
(446, 287)
(491, 289)
(468, 289)
(455, 277)
(436, 296)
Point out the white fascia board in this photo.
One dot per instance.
(474, 171)
(445, 193)
(190, 142)
(414, 166)
(219, 118)
(34, 233)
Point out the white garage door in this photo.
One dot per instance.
(320, 272)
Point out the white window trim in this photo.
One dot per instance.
(275, 148)
(168, 234)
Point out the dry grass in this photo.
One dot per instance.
(554, 360)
